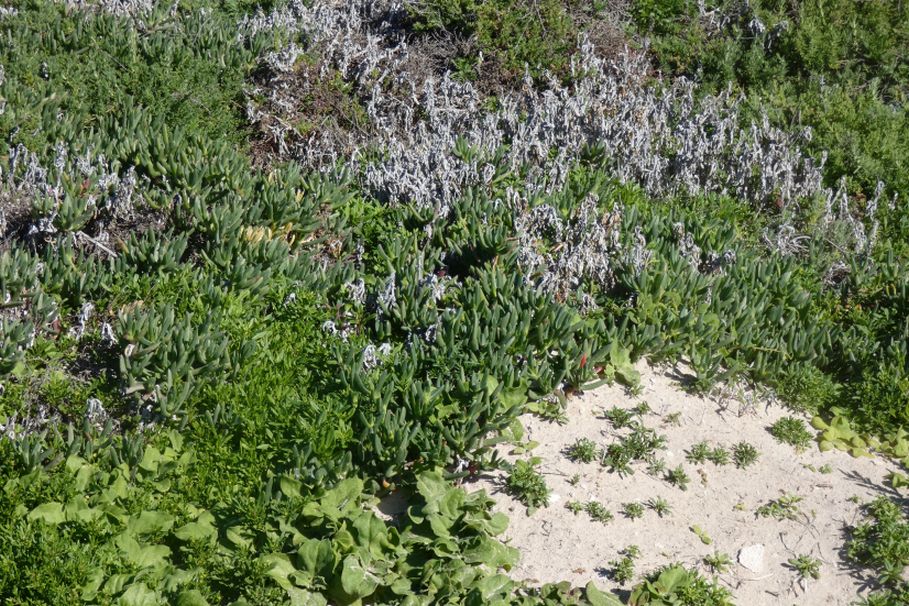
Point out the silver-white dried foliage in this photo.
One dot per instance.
(114, 194)
(667, 139)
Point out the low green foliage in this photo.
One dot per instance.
(806, 566)
(676, 584)
(622, 570)
(660, 506)
(598, 512)
(880, 543)
(718, 562)
(527, 485)
(792, 431)
(678, 478)
(584, 450)
(744, 455)
(784, 508)
(633, 511)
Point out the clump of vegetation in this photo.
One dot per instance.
(584, 450)
(675, 584)
(641, 444)
(633, 511)
(880, 542)
(622, 570)
(784, 508)
(744, 455)
(598, 512)
(678, 478)
(791, 431)
(660, 506)
(527, 484)
(718, 562)
(806, 566)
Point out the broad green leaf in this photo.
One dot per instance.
(494, 585)
(50, 513)
(600, 598)
(371, 534)
(238, 536)
(138, 594)
(315, 556)
(279, 568)
(202, 529)
(142, 555)
(356, 580)
(432, 487)
(149, 522)
(290, 487)
(492, 553)
(191, 597)
(77, 511)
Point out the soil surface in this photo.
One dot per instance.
(558, 545)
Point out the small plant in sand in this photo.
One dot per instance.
(718, 562)
(792, 431)
(784, 508)
(718, 456)
(656, 467)
(622, 570)
(698, 453)
(640, 445)
(660, 506)
(575, 479)
(806, 567)
(744, 455)
(632, 511)
(677, 585)
(701, 534)
(641, 409)
(674, 419)
(574, 507)
(618, 417)
(678, 478)
(584, 450)
(527, 485)
(598, 512)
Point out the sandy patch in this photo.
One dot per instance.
(557, 544)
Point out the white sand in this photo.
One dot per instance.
(558, 545)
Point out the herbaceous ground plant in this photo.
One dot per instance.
(263, 263)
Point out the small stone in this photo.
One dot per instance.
(752, 557)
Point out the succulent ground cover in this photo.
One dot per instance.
(262, 262)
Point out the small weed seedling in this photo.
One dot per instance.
(673, 418)
(583, 450)
(598, 512)
(656, 467)
(678, 478)
(575, 479)
(527, 485)
(719, 456)
(744, 455)
(698, 453)
(806, 567)
(633, 511)
(642, 409)
(792, 431)
(825, 468)
(660, 506)
(574, 507)
(618, 417)
(718, 562)
(701, 534)
(621, 571)
(784, 508)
